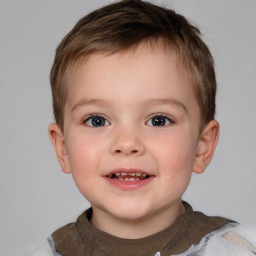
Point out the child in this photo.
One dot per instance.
(134, 101)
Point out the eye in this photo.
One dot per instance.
(159, 120)
(96, 121)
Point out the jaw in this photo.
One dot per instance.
(135, 222)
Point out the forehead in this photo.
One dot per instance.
(137, 71)
(131, 83)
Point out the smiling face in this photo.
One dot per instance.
(131, 134)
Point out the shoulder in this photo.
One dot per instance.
(47, 249)
(231, 240)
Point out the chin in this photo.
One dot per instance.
(129, 213)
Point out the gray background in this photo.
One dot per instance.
(35, 196)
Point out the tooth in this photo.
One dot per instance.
(118, 174)
(137, 179)
(144, 175)
(123, 174)
(131, 174)
(126, 179)
(138, 174)
(120, 178)
(132, 179)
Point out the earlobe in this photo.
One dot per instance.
(58, 142)
(206, 146)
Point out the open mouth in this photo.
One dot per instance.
(133, 176)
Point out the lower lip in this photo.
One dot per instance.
(129, 185)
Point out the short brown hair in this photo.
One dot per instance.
(123, 25)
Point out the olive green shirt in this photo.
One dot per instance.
(82, 238)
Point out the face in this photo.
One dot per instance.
(131, 133)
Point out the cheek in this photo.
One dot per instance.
(175, 154)
(84, 156)
(178, 161)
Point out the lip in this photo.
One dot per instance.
(127, 170)
(128, 185)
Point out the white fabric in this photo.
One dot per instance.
(231, 240)
(216, 244)
(44, 250)
(47, 249)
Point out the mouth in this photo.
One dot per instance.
(129, 179)
(128, 176)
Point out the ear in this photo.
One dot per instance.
(58, 142)
(206, 146)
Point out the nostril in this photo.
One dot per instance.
(135, 151)
(127, 148)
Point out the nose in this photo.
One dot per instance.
(128, 143)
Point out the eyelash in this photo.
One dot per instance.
(159, 115)
(90, 118)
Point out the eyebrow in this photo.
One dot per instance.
(88, 102)
(167, 101)
(164, 101)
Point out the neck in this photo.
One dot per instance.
(139, 228)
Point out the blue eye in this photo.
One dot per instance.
(96, 121)
(159, 120)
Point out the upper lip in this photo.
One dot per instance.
(127, 170)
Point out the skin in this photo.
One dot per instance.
(128, 90)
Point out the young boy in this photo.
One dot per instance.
(134, 101)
